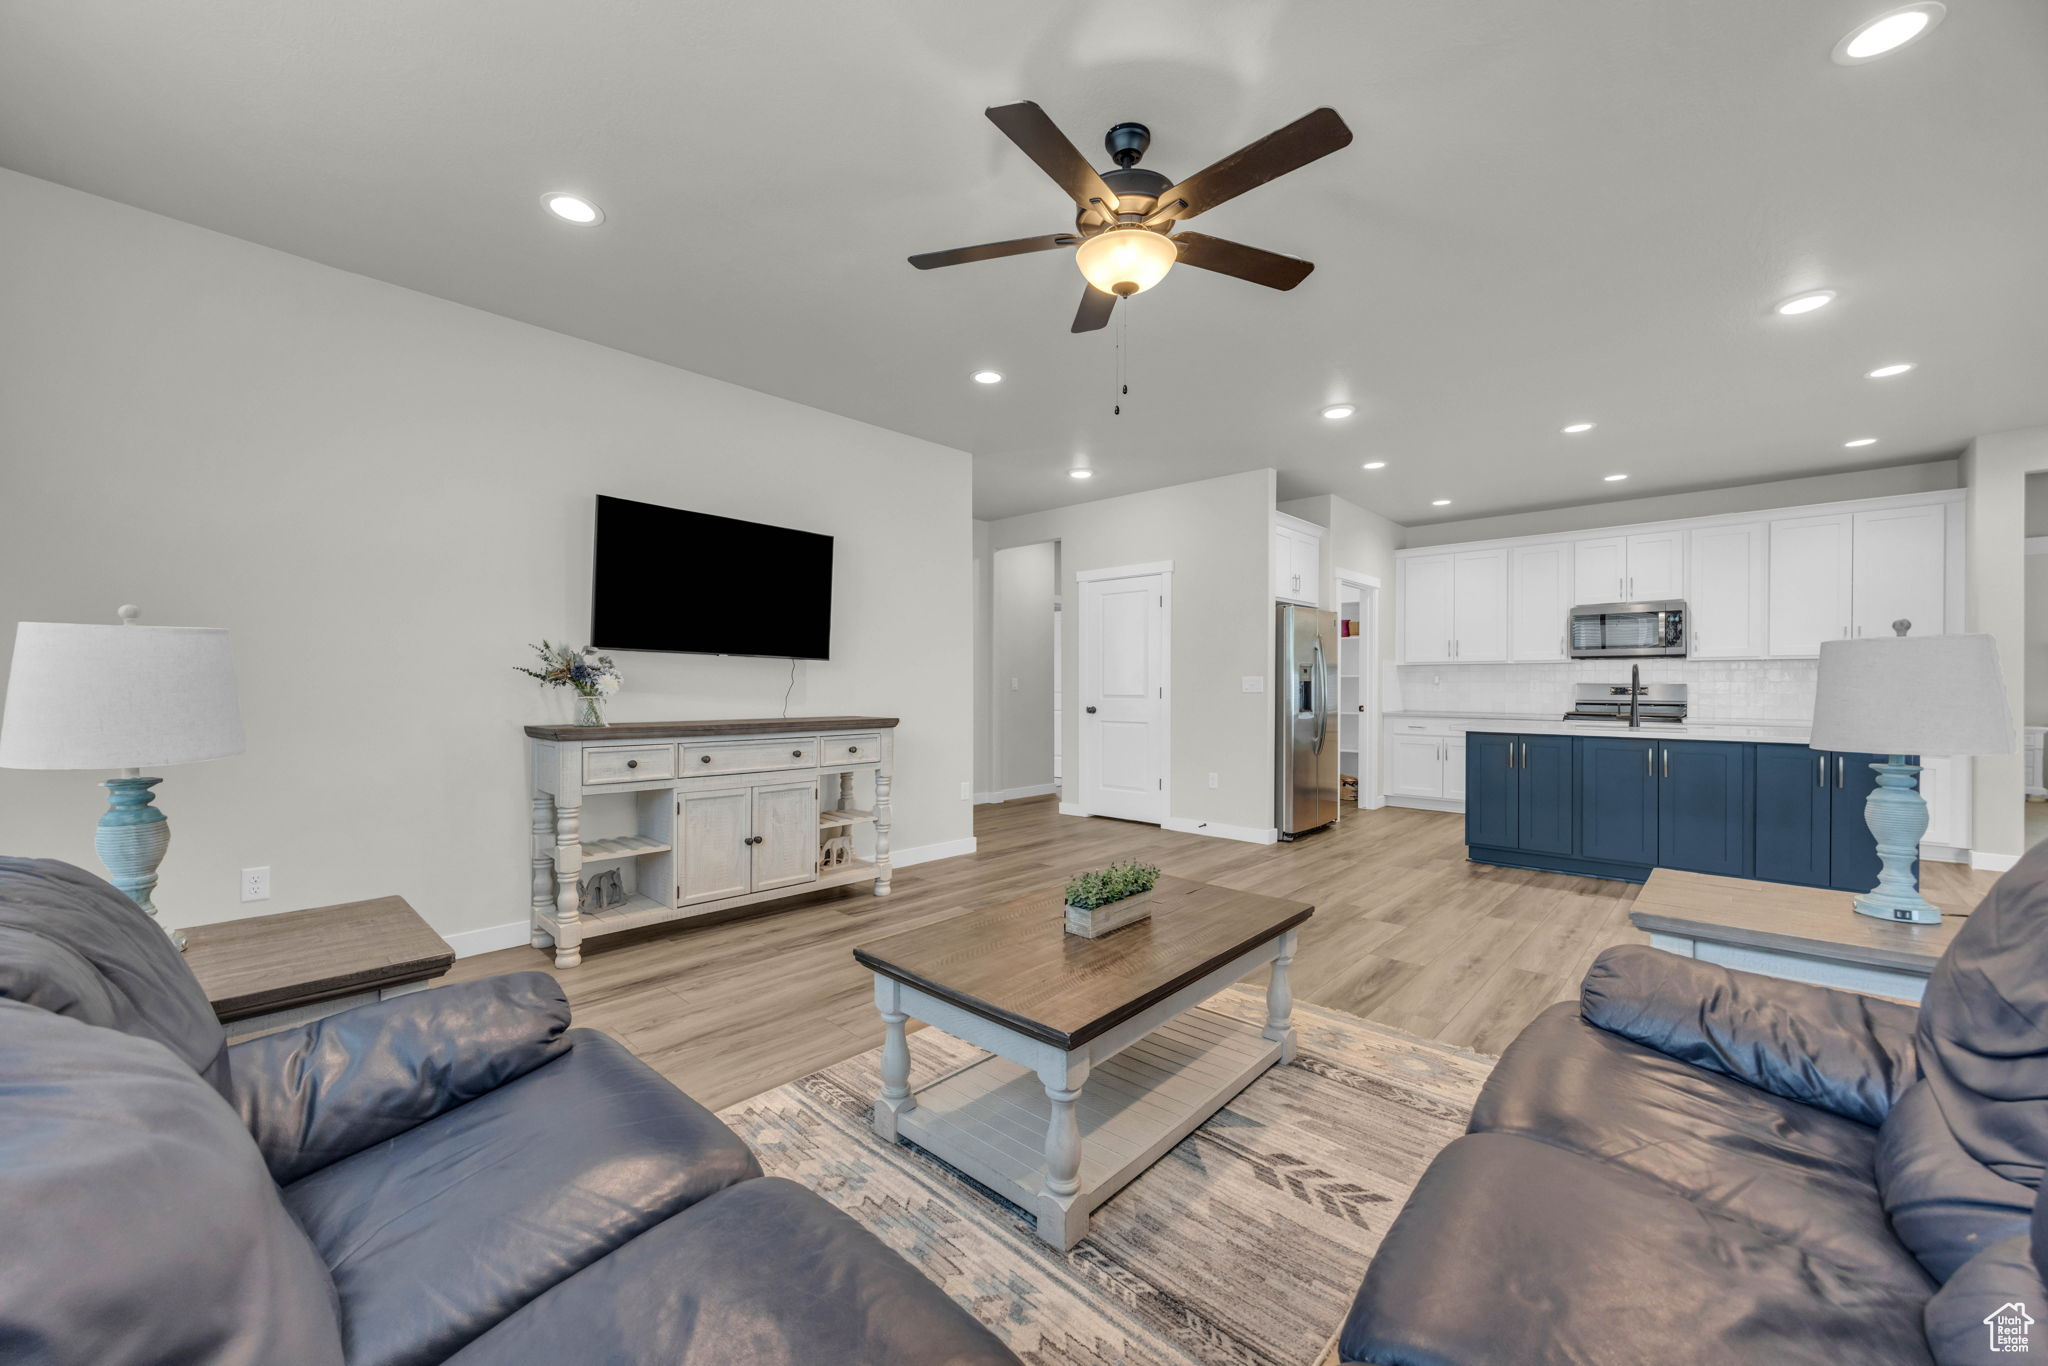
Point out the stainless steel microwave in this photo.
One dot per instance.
(1627, 630)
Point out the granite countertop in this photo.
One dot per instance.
(1552, 723)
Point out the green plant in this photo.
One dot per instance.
(1114, 883)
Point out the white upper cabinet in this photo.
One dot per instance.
(1539, 600)
(1600, 570)
(1479, 606)
(1899, 560)
(1297, 561)
(1645, 567)
(1726, 611)
(1809, 594)
(1425, 605)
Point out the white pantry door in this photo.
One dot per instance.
(1123, 638)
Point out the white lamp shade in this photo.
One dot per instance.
(118, 697)
(1940, 695)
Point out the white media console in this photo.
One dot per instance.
(701, 816)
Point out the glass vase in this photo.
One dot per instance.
(590, 709)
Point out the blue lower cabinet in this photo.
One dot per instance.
(1618, 800)
(1853, 853)
(1703, 806)
(1492, 790)
(1548, 821)
(1795, 798)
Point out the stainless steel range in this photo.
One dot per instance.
(1655, 703)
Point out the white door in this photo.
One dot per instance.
(1454, 768)
(1415, 765)
(785, 819)
(1900, 564)
(1426, 627)
(1599, 570)
(712, 852)
(1479, 606)
(1539, 601)
(1123, 697)
(1809, 592)
(1656, 566)
(1725, 611)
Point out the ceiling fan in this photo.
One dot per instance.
(1124, 227)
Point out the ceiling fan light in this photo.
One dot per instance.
(1126, 261)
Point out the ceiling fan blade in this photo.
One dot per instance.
(1039, 138)
(1093, 315)
(989, 251)
(1268, 268)
(1272, 156)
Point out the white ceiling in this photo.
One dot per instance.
(1552, 211)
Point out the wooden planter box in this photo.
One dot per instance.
(1106, 919)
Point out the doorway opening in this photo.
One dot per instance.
(1358, 691)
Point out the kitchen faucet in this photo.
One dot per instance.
(1635, 697)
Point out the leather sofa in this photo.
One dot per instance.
(1695, 1165)
(453, 1175)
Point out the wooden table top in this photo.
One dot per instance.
(249, 967)
(657, 730)
(1814, 921)
(1016, 964)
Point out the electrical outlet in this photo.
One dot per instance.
(1254, 683)
(256, 884)
(1212, 780)
(1013, 685)
(967, 792)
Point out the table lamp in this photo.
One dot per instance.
(1903, 695)
(129, 697)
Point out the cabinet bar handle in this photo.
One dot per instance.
(1667, 763)
(1823, 763)
(1840, 770)
(1525, 754)
(1511, 754)
(1649, 763)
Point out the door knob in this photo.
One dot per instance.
(1091, 711)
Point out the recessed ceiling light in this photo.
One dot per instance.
(1805, 303)
(1339, 410)
(988, 377)
(1578, 427)
(1888, 33)
(1614, 478)
(1861, 441)
(1080, 474)
(1887, 371)
(1375, 464)
(1440, 502)
(573, 208)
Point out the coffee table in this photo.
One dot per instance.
(1102, 1059)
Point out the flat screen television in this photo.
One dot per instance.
(690, 583)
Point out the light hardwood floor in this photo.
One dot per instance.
(1405, 932)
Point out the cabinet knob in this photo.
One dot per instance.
(703, 758)
(853, 749)
(632, 763)
(796, 754)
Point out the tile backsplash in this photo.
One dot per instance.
(1729, 689)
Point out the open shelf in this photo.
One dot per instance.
(854, 870)
(828, 819)
(623, 846)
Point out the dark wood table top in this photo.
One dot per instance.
(1016, 964)
(269, 962)
(1774, 915)
(760, 725)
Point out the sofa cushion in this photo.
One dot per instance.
(1798, 1173)
(440, 1232)
(73, 944)
(1513, 1250)
(1984, 1313)
(764, 1273)
(141, 1224)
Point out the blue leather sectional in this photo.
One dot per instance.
(1617, 806)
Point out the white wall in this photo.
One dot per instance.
(1218, 533)
(1995, 470)
(1779, 493)
(984, 679)
(385, 496)
(2036, 657)
(1020, 636)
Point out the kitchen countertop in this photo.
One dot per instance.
(1552, 723)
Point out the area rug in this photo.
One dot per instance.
(1244, 1245)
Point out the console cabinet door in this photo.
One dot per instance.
(1618, 799)
(1493, 813)
(1794, 808)
(1549, 811)
(711, 843)
(1703, 819)
(785, 819)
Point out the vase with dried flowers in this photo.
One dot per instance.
(594, 677)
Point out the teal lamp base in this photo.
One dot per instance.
(1897, 815)
(131, 841)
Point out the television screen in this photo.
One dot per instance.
(688, 582)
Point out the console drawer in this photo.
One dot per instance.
(622, 765)
(851, 749)
(750, 756)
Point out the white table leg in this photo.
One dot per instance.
(568, 868)
(896, 1099)
(1280, 1001)
(882, 831)
(1061, 1220)
(543, 869)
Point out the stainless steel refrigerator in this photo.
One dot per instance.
(1306, 793)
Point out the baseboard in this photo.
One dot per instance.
(1014, 794)
(1943, 853)
(930, 853)
(510, 935)
(1452, 804)
(1990, 862)
(1247, 834)
(1069, 809)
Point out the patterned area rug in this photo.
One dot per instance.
(1243, 1245)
